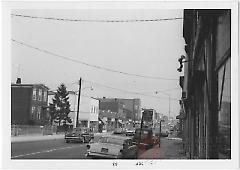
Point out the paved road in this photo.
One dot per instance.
(58, 149)
(49, 149)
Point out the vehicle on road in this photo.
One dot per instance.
(130, 132)
(78, 135)
(113, 147)
(146, 138)
(118, 131)
(164, 134)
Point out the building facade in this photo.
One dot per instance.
(29, 104)
(206, 95)
(127, 109)
(89, 113)
(132, 108)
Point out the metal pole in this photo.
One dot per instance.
(139, 140)
(160, 131)
(79, 94)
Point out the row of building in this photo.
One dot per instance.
(205, 114)
(30, 106)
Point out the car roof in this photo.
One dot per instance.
(144, 128)
(117, 137)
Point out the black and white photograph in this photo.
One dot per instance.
(141, 85)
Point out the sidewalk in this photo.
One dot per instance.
(28, 138)
(170, 149)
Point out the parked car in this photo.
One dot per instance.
(78, 135)
(118, 131)
(88, 131)
(112, 146)
(130, 132)
(164, 134)
(147, 139)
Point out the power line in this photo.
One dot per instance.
(94, 20)
(126, 91)
(90, 65)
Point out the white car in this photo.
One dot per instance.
(112, 146)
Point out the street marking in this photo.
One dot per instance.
(46, 151)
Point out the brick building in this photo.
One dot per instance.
(28, 104)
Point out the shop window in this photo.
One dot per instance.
(224, 107)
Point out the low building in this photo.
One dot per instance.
(28, 104)
(89, 113)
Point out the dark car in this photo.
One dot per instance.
(118, 131)
(113, 147)
(78, 135)
(164, 134)
(146, 138)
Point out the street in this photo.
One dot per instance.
(58, 149)
(53, 149)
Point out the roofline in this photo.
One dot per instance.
(29, 85)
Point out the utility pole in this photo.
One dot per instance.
(160, 132)
(169, 100)
(134, 116)
(79, 95)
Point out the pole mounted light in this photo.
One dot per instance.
(180, 60)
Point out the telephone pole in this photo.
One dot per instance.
(79, 94)
(169, 100)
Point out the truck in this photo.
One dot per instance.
(148, 134)
(149, 118)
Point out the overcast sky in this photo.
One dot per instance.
(144, 48)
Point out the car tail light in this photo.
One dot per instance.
(88, 146)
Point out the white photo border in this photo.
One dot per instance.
(7, 6)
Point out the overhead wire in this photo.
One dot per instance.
(90, 65)
(126, 91)
(95, 20)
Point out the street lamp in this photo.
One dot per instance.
(169, 101)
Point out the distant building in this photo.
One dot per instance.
(126, 109)
(132, 108)
(28, 104)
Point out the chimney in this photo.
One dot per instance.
(18, 80)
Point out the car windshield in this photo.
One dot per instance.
(143, 131)
(110, 140)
